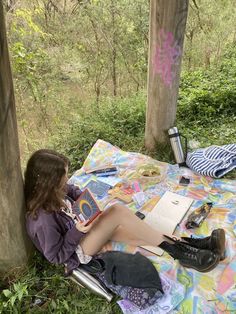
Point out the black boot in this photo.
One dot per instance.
(215, 242)
(191, 257)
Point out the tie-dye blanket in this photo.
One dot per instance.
(212, 292)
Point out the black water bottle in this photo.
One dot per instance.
(176, 145)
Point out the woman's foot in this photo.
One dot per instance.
(215, 242)
(191, 257)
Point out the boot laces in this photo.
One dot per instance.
(183, 249)
(187, 251)
(183, 245)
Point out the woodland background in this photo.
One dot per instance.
(80, 73)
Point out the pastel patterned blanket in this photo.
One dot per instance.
(208, 293)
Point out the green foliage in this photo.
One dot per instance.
(118, 121)
(70, 55)
(24, 23)
(29, 65)
(209, 30)
(228, 62)
(14, 295)
(208, 95)
(206, 112)
(43, 288)
(207, 102)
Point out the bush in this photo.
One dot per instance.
(206, 95)
(206, 111)
(118, 121)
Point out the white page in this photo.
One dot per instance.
(153, 249)
(167, 214)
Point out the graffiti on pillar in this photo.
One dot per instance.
(166, 57)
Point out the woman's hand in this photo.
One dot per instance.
(82, 228)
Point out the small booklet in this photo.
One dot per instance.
(98, 188)
(86, 208)
(166, 215)
(110, 180)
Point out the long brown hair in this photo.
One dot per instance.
(43, 176)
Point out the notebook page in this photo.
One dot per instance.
(167, 214)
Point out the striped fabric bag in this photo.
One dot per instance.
(214, 161)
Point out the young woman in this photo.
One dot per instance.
(62, 239)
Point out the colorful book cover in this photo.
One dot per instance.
(86, 208)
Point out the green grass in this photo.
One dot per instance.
(42, 288)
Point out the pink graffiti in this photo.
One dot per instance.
(167, 54)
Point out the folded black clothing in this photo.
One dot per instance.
(133, 270)
(95, 266)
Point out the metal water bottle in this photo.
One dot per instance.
(176, 145)
(86, 280)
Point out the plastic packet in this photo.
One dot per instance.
(196, 218)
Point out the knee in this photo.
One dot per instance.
(118, 209)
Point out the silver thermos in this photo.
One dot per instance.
(83, 278)
(176, 145)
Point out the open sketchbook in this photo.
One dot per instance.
(166, 215)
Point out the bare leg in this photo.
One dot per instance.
(107, 225)
(123, 235)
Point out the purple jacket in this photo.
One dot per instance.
(55, 235)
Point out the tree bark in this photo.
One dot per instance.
(113, 56)
(14, 245)
(10, 5)
(166, 36)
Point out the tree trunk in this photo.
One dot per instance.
(166, 35)
(10, 5)
(113, 56)
(14, 244)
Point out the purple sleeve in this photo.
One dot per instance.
(57, 248)
(73, 191)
